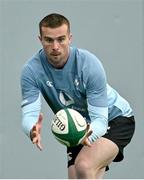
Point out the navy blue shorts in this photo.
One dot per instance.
(120, 132)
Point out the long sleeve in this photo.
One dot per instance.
(99, 121)
(31, 101)
(30, 114)
(97, 101)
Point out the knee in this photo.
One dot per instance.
(83, 168)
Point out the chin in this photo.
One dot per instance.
(59, 66)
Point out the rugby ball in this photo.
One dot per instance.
(69, 127)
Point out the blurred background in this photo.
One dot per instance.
(114, 32)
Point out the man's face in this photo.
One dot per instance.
(56, 44)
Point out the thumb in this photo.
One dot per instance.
(89, 128)
(40, 118)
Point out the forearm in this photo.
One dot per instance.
(99, 121)
(99, 128)
(30, 114)
(28, 121)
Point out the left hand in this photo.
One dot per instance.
(86, 141)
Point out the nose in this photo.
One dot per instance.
(55, 45)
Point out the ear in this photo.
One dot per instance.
(40, 38)
(70, 38)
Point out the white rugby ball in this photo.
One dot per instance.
(69, 127)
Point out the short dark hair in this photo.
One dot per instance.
(53, 20)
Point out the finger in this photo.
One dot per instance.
(34, 128)
(87, 142)
(39, 145)
(35, 140)
(88, 126)
(35, 131)
(89, 133)
(34, 134)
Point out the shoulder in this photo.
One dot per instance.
(87, 58)
(33, 64)
(84, 53)
(88, 62)
(34, 60)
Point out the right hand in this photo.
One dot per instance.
(86, 141)
(35, 132)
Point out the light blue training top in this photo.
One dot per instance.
(81, 84)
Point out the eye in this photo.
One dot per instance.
(49, 40)
(61, 39)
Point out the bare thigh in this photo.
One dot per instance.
(102, 153)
